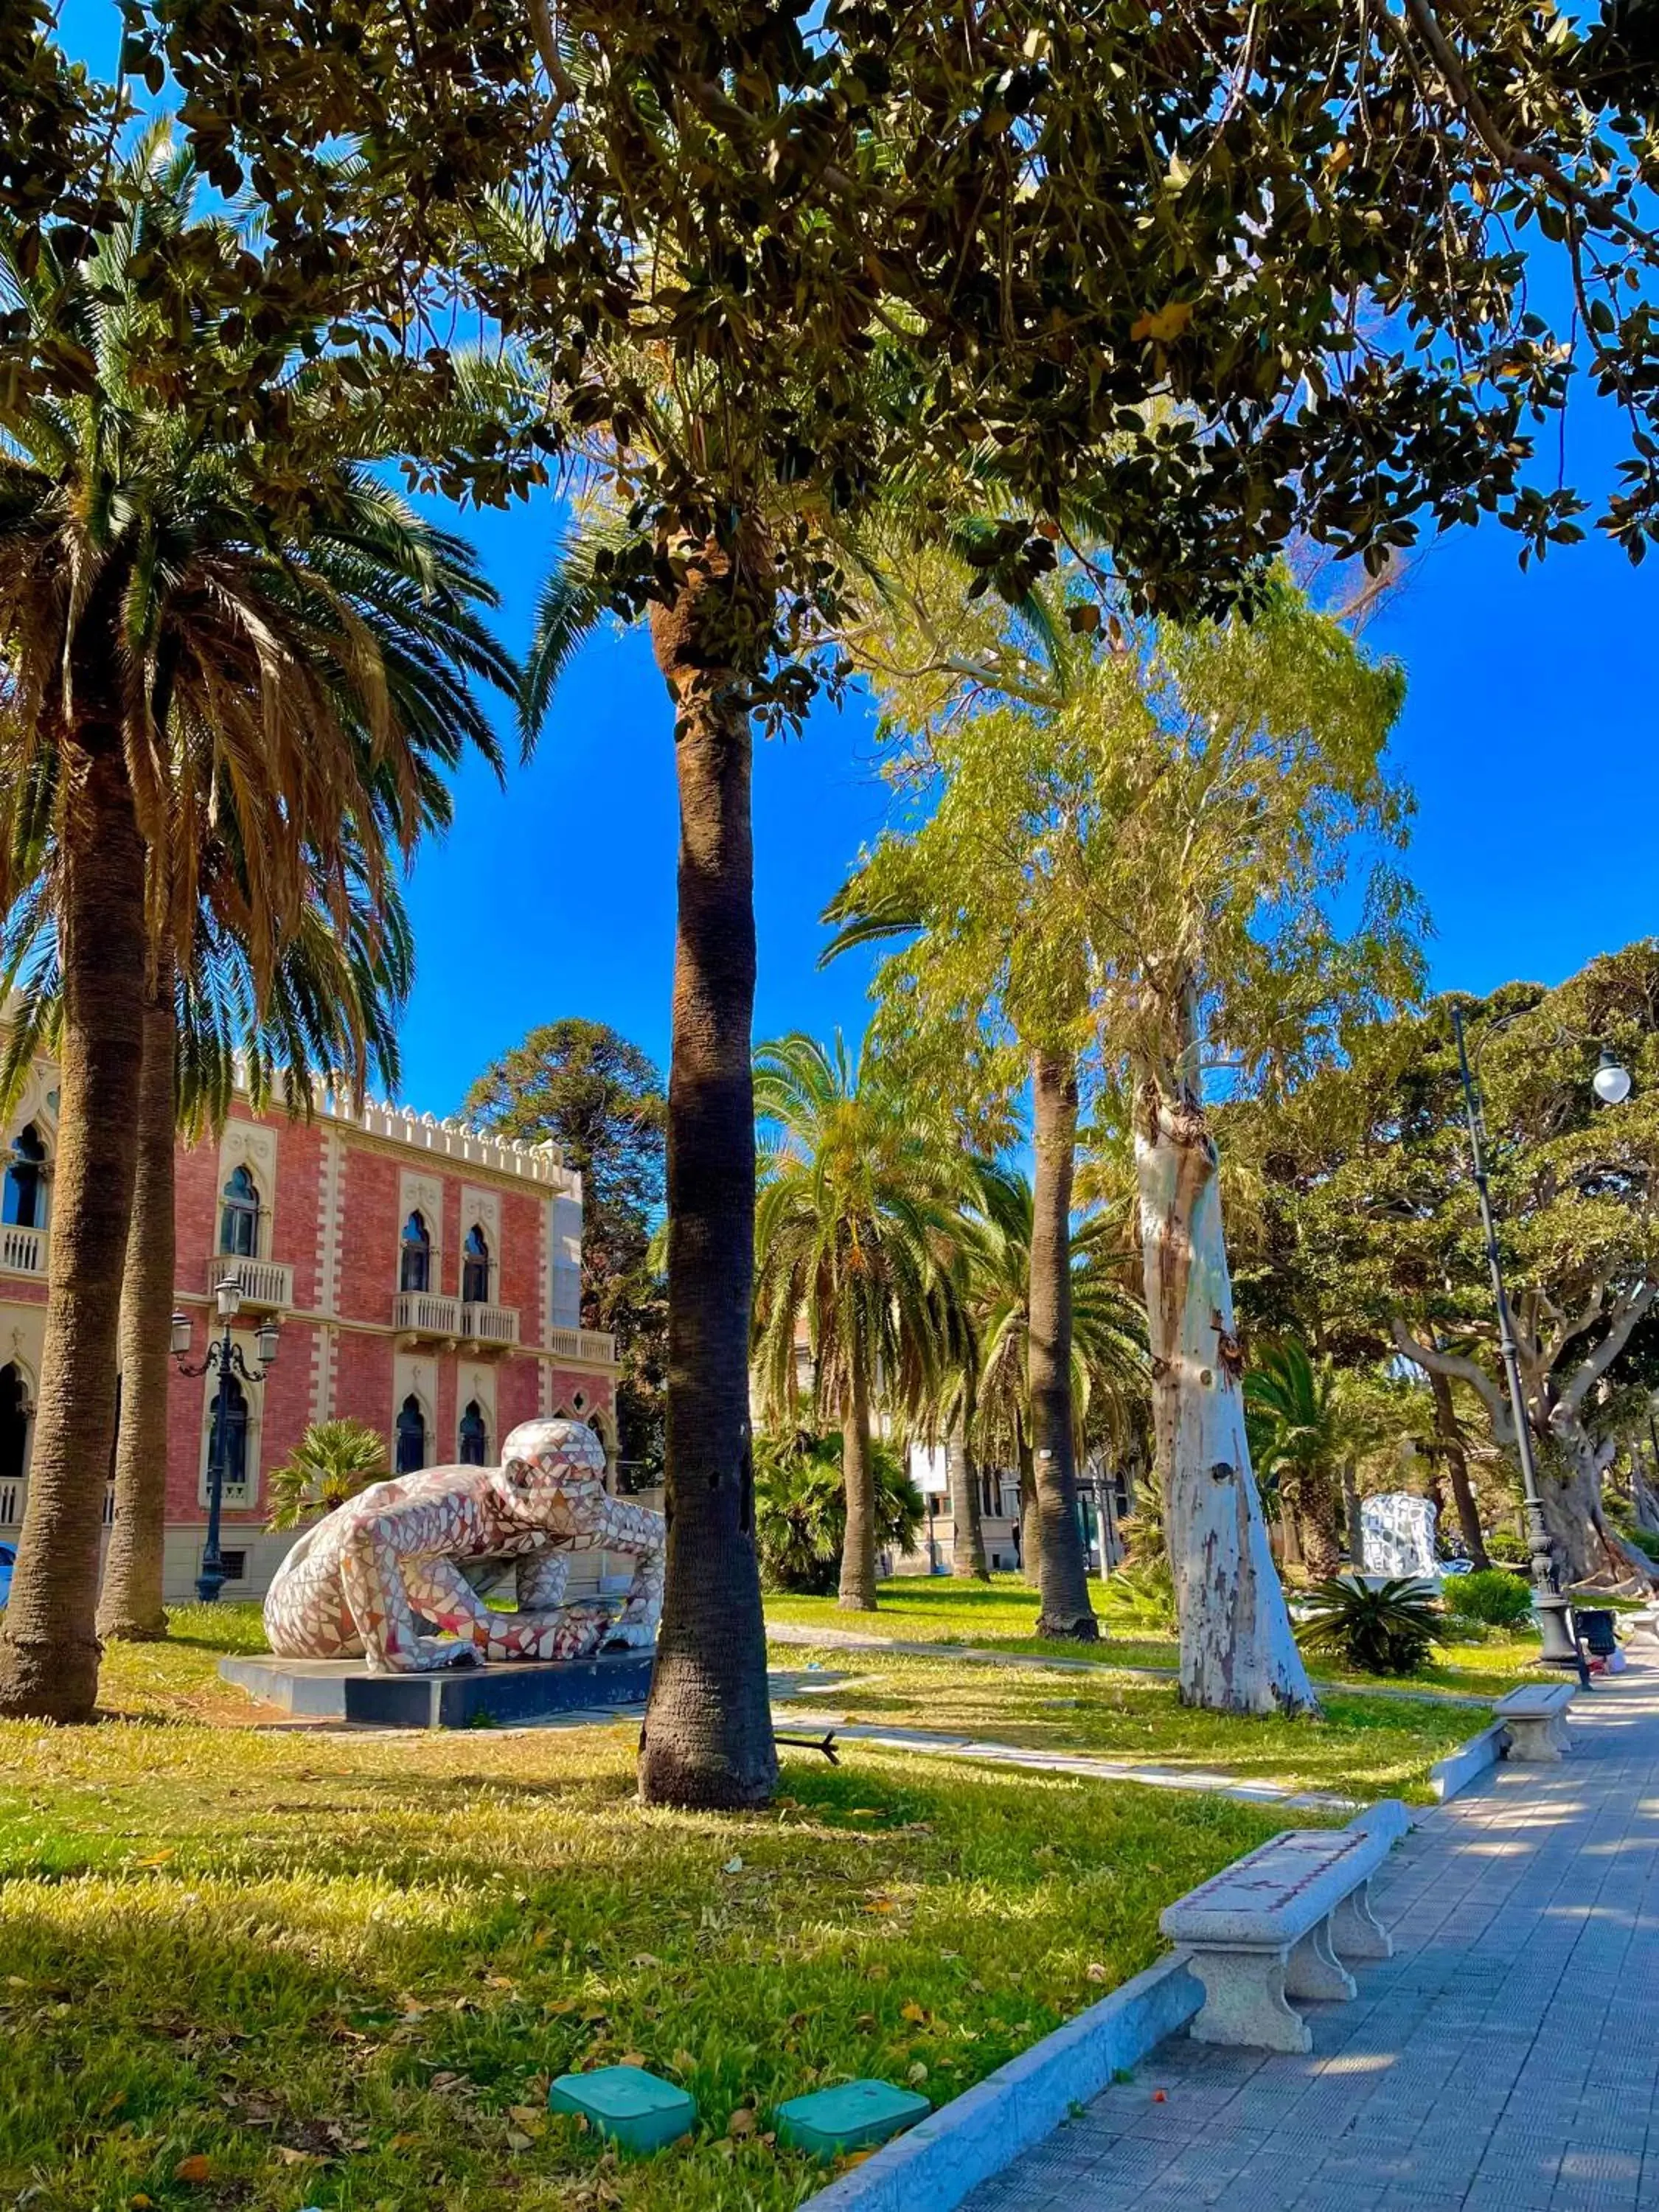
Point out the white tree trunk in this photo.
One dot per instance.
(1237, 1652)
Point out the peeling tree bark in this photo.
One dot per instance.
(1237, 1652)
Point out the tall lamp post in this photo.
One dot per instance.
(1557, 1636)
(225, 1360)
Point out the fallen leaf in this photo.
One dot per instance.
(646, 1959)
(742, 2122)
(527, 2116)
(1095, 1973)
(912, 2011)
(682, 2061)
(917, 2073)
(289, 2155)
(517, 2139)
(155, 1859)
(196, 2167)
(141, 2203)
(632, 2058)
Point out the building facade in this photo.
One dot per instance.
(425, 1278)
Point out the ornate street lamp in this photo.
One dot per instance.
(225, 1360)
(1557, 1635)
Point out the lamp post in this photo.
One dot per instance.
(1557, 1636)
(225, 1360)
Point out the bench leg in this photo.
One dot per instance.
(1244, 2003)
(1356, 1932)
(1313, 1969)
(1543, 1741)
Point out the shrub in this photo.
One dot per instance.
(1499, 1598)
(331, 1462)
(800, 1509)
(1645, 1540)
(1387, 1630)
(1504, 1544)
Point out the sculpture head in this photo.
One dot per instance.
(547, 1464)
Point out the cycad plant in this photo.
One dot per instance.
(199, 675)
(1386, 1628)
(859, 1236)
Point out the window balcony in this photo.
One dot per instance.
(595, 1344)
(22, 1251)
(424, 1314)
(490, 1328)
(267, 1285)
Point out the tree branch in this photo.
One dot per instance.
(1593, 1368)
(1430, 1359)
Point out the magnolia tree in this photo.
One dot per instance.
(1150, 864)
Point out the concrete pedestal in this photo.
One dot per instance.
(344, 1689)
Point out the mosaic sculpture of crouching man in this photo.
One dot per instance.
(412, 1555)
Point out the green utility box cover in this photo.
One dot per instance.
(848, 2118)
(641, 2113)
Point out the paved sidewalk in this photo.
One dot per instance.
(1506, 2059)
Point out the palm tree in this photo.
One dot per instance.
(859, 1237)
(1297, 1432)
(1108, 1336)
(183, 672)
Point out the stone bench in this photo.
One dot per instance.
(1278, 1924)
(1535, 1716)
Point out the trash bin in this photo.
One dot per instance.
(1594, 1624)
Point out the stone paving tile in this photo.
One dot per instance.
(1506, 2059)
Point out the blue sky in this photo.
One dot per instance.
(1529, 734)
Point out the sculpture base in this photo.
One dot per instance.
(473, 1697)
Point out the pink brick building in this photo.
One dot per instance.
(426, 1280)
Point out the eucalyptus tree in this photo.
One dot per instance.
(178, 661)
(1153, 864)
(861, 1249)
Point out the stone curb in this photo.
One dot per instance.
(1450, 1776)
(964, 2142)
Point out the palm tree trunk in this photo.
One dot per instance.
(1322, 1531)
(49, 1648)
(708, 1735)
(1062, 1569)
(1458, 1467)
(1237, 1651)
(967, 1528)
(1029, 1546)
(130, 1609)
(858, 1550)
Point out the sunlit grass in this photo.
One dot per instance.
(1366, 1747)
(1000, 1615)
(340, 1967)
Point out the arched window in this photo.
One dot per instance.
(235, 1432)
(475, 1436)
(13, 1430)
(24, 1206)
(416, 1270)
(239, 1217)
(475, 1268)
(411, 1434)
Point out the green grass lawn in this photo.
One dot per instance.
(1364, 1747)
(243, 1967)
(1001, 1616)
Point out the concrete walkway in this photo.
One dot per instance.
(1506, 2059)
